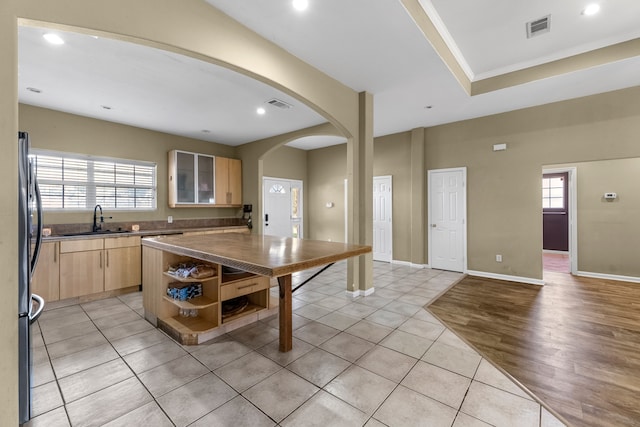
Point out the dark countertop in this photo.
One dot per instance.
(141, 233)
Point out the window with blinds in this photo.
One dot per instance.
(76, 182)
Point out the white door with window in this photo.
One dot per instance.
(447, 219)
(382, 219)
(282, 213)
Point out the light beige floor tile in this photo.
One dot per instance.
(94, 379)
(272, 351)
(280, 394)
(137, 342)
(414, 299)
(62, 321)
(406, 407)
(409, 344)
(220, 352)
(100, 304)
(76, 362)
(295, 302)
(236, 412)
(296, 321)
(374, 423)
(45, 398)
(387, 293)
(425, 316)
(42, 374)
(324, 409)
(164, 378)
(375, 300)
(109, 322)
(36, 339)
(51, 336)
(319, 367)
(338, 320)
(453, 340)
(146, 415)
(387, 318)
(312, 311)
(361, 388)
(358, 310)
(369, 331)
(489, 374)
(388, 363)
(55, 418)
(437, 383)
(427, 330)
(464, 420)
(108, 404)
(127, 329)
(331, 291)
(50, 314)
(332, 302)
(309, 295)
(256, 336)
(247, 371)
(154, 356)
(347, 346)
(315, 333)
(500, 408)
(549, 420)
(111, 311)
(74, 345)
(460, 361)
(39, 355)
(193, 400)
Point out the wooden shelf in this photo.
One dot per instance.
(189, 279)
(189, 325)
(194, 303)
(250, 308)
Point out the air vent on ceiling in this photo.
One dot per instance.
(539, 26)
(280, 104)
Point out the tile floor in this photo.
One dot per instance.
(374, 361)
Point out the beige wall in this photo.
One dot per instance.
(504, 210)
(53, 130)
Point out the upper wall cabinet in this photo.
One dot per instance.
(200, 180)
(228, 182)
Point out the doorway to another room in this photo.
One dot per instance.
(558, 218)
(282, 207)
(382, 218)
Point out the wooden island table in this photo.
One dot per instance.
(261, 257)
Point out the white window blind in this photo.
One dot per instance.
(76, 182)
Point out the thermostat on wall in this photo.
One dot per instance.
(610, 196)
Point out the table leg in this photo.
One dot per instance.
(286, 329)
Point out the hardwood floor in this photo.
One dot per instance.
(574, 343)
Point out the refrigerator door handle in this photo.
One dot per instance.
(36, 251)
(34, 316)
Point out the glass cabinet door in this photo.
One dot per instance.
(185, 174)
(191, 179)
(205, 179)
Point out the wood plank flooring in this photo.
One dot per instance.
(574, 343)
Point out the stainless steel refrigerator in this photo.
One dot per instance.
(29, 240)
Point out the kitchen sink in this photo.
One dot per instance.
(96, 233)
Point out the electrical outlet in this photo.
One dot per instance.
(498, 258)
(170, 219)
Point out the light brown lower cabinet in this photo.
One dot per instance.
(46, 279)
(96, 265)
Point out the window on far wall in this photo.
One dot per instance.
(553, 192)
(74, 182)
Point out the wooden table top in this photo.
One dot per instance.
(264, 255)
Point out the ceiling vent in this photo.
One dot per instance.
(280, 104)
(539, 26)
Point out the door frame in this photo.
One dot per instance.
(430, 172)
(390, 180)
(299, 183)
(573, 212)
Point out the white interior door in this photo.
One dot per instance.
(447, 217)
(282, 207)
(382, 219)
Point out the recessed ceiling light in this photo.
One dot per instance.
(261, 111)
(53, 38)
(592, 9)
(428, 107)
(300, 4)
(34, 90)
(205, 131)
(106, 107)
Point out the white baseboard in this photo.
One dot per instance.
(551, 251)
(409, 264)
(608, 276)
(508, 278)
(361, 292)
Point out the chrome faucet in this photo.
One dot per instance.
(96, 226)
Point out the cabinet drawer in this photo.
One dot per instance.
(121, 242)
(81, 245)
(243, 287)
